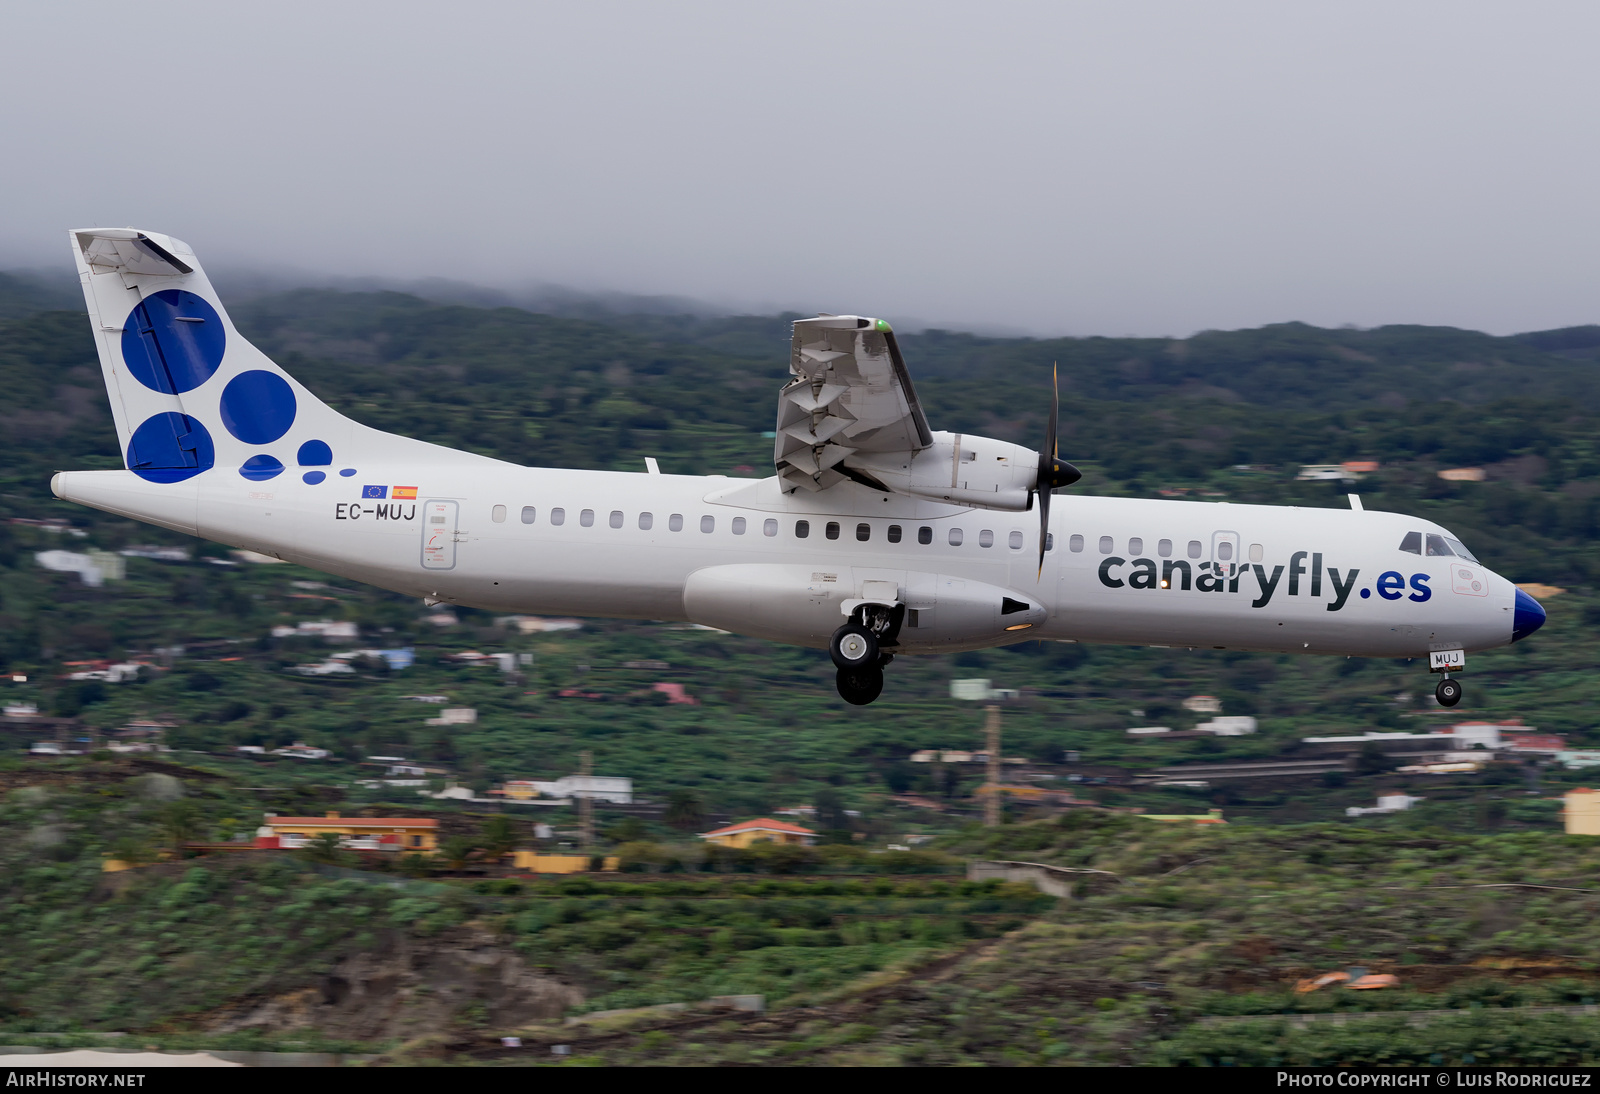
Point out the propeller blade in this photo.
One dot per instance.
(1044, 529)
(1051, 440)
(1052, 471)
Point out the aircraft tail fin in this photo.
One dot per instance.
(187, 391)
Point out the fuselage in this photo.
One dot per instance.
(875, 527)
(747, 556)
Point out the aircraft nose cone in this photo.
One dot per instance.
(1527, 618)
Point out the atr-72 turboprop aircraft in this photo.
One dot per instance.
(876, 536)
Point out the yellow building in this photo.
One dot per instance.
(411, 835)
(1582, 812)
(760, 830)
(1213, 816)
(519, 790)
(537, 863)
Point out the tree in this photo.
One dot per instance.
(831, 816)
(456, 850)
(498, 837)
(326, 848)
(627, 830)
(130, 849)
(1373, 760)
(684, 810)
(180, 823)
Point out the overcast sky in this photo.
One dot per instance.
(1085, 168)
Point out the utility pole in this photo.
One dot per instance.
(586, 805)
(991, 807)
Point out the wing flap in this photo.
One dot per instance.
(851, 393)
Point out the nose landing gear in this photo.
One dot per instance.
(1448, 692)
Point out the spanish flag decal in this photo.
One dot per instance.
(405, 493)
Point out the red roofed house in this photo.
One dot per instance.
(413, 835)
(760, 830)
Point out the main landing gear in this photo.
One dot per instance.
(857, 652)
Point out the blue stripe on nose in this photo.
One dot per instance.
(1527, 618)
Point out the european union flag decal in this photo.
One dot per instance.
(374, 491)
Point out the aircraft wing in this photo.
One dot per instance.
(850, 394)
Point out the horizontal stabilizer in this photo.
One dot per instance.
(127, 250)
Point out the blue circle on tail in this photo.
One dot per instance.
(258, 406)
(173, 341)
(315, 454)
(261, 468)
(170, 447)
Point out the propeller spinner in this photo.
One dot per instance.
(1053, 471)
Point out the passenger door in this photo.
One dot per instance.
(439, 534)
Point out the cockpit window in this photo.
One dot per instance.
(1437, 545)
(1461, 549)
(1412, 543)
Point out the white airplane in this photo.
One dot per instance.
(876, 535)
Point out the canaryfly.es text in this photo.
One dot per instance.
(1304, 575)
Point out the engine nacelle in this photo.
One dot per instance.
(959, 468)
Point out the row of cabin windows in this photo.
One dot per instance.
(647, 521)
(956, 536)
(1194, 548)
(895, 533)
(769, 527)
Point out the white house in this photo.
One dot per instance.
(1325, 472)
(111, 674)
(333, 630)
(160, 554)
(1203, 704)
(326, 668)
(605, 788)
(1469, 734)
(93, 567)
(1232, 726)
(454, 716)
(302, 752)
(1392, 802)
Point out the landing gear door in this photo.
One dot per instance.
(1225, 558)
(439, 534)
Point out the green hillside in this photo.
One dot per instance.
(870, 965)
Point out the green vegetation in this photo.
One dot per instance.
(865, 956)
(187, 943)
(1192, 929)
